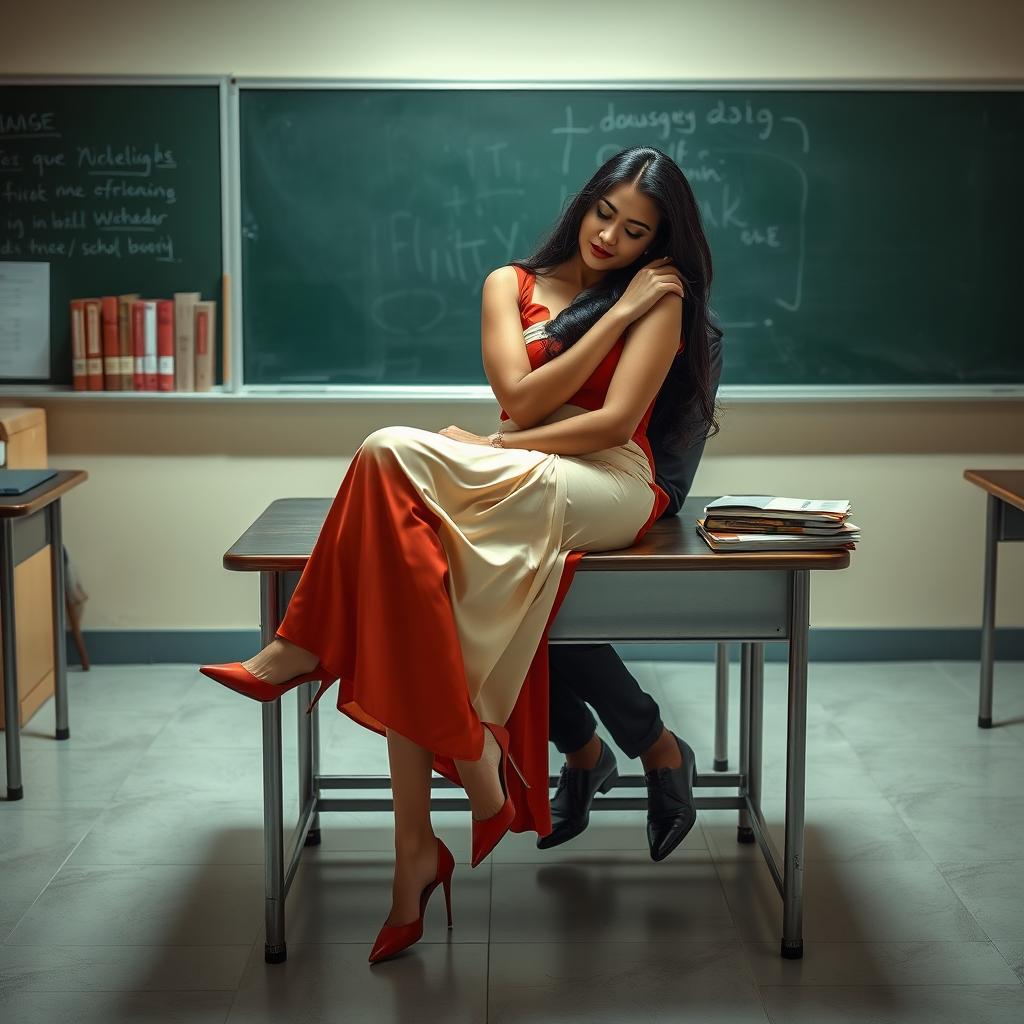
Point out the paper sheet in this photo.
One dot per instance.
(25, 320)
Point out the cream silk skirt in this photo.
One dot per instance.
(509, 519)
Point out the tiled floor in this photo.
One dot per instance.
(131, 874)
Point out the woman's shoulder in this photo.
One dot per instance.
(511, 276)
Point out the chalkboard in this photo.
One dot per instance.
(117, 187)
(860, 237)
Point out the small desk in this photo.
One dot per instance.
(1004, 520)
(28, 522)
(670, 587)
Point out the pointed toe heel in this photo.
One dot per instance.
(392, 939)
(489, 832)
(236, 677)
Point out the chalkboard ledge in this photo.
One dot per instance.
(733, 394)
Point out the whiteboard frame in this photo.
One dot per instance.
(235, 389)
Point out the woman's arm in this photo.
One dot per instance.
(576, 435)
(528, 396)
(641, 370)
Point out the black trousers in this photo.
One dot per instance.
(582, 674)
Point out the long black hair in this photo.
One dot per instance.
(685, 407)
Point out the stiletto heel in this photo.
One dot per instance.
(324, 687)
(448, 898)
(392, 939)
(489, 832)
(238, 678)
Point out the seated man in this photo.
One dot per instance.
(582, 674)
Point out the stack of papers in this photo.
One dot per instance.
(760, 522)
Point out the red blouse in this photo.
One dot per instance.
(595, 389)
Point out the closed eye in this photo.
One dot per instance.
(608, 216)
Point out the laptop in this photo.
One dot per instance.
(18, 481)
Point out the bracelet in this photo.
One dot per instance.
(497, 440)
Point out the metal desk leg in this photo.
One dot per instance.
(988, 612)
(313, 720)
(756, 729)
(12, 715)
(721, 707)
(274, 951)
(744, 830)
(60, 657)
(796, 765)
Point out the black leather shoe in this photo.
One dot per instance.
(570, 806)
(670, 810)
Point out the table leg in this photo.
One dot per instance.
(12, 715)
(721, 763)
(274, 950)
(60, 656)
(313, 836)
(988, 612)
(756, 728)
(796, 766)
(744, 830)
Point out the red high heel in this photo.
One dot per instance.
(238, 678)
(392, 939)
(489, 832)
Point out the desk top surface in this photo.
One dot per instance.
(281, 539)
(1007, 484)
(16, 505)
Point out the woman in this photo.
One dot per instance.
(445, 556)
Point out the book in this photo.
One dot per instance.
(205, 344)
(138, 308)
(719, 540)
(806, 509)
(149, 364)
(79, 373)
(93, 345)
(184, 340)
(761, 525)
(165, 345)
(124, 340)
(111, 351)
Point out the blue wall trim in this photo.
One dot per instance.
(145, 647)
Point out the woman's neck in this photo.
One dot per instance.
(576, 273)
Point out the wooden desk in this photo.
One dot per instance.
(670, 587)
(1004, 520)
(28, 522)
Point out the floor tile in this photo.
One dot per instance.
(852, 901)
(178, 830)
(146, 905)
(107, 1007)
(127, 968)
(614, 982)
(609, 900)
(34, 844)
(964, 827)
(911, 1004)
(881, 963)
(835, 830)
(993, 892)
(327, 983)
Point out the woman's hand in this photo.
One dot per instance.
(458, 434)
(650, 283)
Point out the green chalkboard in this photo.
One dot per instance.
(860, 237)
(117, 187)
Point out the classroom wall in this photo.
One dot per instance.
(172, 485)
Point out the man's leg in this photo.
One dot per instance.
(594, 674)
